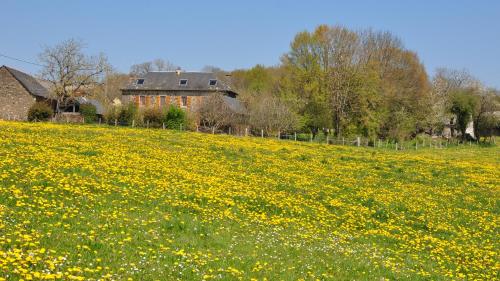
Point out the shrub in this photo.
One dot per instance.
(40, 111)
(153, 116)
(124, 115)
(112, 114)
(127, 114)
(89, 112)
(174, 117)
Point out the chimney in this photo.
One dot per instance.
(178, 71)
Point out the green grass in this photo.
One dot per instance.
(112, 203)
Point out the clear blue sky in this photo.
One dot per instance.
(239, 34)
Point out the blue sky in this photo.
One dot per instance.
(239, 34)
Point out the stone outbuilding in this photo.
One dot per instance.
(18, 92)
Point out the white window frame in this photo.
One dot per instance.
(183, 85)
(182, 101)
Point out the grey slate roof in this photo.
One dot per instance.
(169, 81)
(30, 83)
(234, 104)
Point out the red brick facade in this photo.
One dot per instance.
(190, 103)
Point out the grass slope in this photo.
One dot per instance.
(88, 203)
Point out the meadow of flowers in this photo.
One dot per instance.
(107, 203)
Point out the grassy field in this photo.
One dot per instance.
(87, 203)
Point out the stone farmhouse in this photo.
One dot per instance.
(183, 89)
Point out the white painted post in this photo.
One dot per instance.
(116, 122)
(163, 125)
(327, 140)
(83, 120)
(246, 132)
(343, 141)
(396, 146)
(358, 141)
(262, 133)
(416, 145)
(229, 130)
(213, 130)
(295, 136)
(311, 138)
(133, 123)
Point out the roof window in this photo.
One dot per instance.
(212, 82)
(140, 81)
(183, 82)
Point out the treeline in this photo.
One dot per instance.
(347, 83)
(361, 83)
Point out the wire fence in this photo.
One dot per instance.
(428, 142)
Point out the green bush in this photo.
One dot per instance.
(174, 117)
(40, 111)
(89, 112)
(127, 114)
(124, 115)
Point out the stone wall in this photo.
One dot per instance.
(15, 100)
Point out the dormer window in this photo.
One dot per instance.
(183, 82)
(140, 81)
(212, 82)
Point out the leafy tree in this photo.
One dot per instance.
(463, 106)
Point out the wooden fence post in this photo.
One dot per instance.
(147, 123)
(99, 120)
(229, 130)
(279, 135)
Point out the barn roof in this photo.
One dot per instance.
(172, 81)
(30, 83)
(234, 104)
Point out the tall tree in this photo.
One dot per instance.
(69, 70)
(463, 105)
